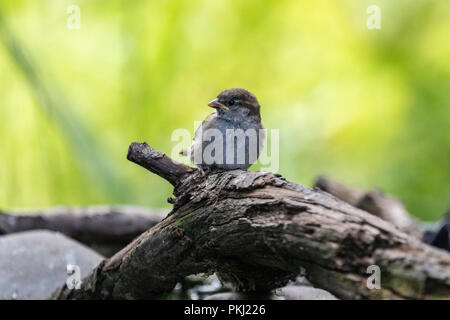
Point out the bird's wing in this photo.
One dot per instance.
(206, 124)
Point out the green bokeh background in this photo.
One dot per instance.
(370, 108)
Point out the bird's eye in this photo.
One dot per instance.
(232, 102)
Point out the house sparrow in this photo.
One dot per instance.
(230, 138)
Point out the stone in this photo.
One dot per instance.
(33, 264)
(227, 296)
(295, 292)
(300, 289)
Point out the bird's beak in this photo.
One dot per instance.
(217, 105)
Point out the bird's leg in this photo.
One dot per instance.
(202, 172)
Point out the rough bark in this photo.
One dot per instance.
(258, 230)
(157, 162)
(375, 202)
(106, 229)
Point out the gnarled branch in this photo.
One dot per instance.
(258, 230)
(157, 162)
(374, 202)
(106, 229)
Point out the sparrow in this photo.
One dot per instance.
(230, 138)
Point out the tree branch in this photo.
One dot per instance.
(105, 228)
(258, 230)
(157, 162)
(374, 202)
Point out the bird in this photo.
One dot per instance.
(231, 137)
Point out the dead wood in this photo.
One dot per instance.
(375, 202)
(106, 229)
(258, 230)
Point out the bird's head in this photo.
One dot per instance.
(236, 102)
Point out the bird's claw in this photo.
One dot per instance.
(202, 172)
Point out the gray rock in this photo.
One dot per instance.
(300, 289)
(291, 292)
(294, 292)
(34, 263)
(227, 296)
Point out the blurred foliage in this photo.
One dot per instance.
(368, 107)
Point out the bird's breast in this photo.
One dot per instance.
(229, 145)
